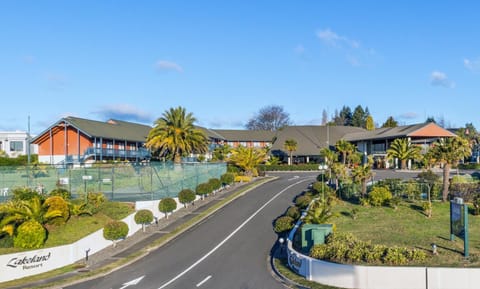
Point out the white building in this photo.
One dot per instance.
(15, 143)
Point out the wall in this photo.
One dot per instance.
(380, 277)
(23, 264)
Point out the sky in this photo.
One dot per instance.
(225, 60)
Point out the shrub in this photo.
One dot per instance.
(24, 194)
(395, 256)
(203, 189)
(115, 230)
(64, 193)
(55, 203)
(283, 224)
(412, 190)
(186, 196)
(227, 178)
(143, 217)
(167, 205)
(243, 179)
(214, 184)
(6, 241)
(95, 201)
(293, 212)
(379, 196)
(303, 201)
(30, 235)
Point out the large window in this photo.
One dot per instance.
(16, 146)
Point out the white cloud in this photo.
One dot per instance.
(438, 78)
(331, 38)
(124, 112)
(472, 64)
(168, 65)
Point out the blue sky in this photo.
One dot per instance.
(224, 60)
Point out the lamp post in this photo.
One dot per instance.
(323, 168)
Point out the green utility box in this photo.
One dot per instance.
(314, 234)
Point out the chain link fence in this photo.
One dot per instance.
(119, 182)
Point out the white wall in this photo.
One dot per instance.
(23, 264)
(380, 277)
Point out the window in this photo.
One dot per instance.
(16, 146)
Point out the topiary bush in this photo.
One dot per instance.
(293, 212)
(283, 224)
(203, 189)
(303, 201)
(167, 205)
(30, 235)
(227, 178)
(214, 184)
(186, 196)
(143, 217)
(115, 230)
(57, 203)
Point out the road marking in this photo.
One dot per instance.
(133, 282)
(204, 280)
(229, 236)
(294, 178)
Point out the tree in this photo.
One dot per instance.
(428, 178)
(402, 149)
(167, 205)
(143, 217)
(448, 151)
(271, 118)
(220, 153)
(186, 196)
(324, 117)
(344, 117)
(359, 117)
(329, 156)
(174, 135)
(320, 212)
(390, 122)
(362, 174)
(290, 145)
(248, 159)
(369, 124)
(344, 147)
(115, 230)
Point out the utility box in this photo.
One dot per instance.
(314, 234)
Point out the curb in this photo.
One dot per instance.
(278, 275)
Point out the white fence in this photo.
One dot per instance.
(28, 263)
(380, 277)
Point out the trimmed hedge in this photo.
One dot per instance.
(227, 178)
(143, 217)
(115, 230)
(283, 224)
(167, 205)
(186, 196)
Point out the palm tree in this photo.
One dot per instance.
(174, 135)
(362, 174)
(290, 145)
(248, 159)
(329, 156)
(344, 147)
(448, 151)
(320, 212)
(402, 149)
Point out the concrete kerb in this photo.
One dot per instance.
(118, 264)
(278, 275)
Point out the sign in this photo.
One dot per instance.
(86, 178)
(28, 262)
(63, 181)
(459, 222)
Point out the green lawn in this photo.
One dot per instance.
(408, 226)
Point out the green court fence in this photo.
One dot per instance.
(120, 182)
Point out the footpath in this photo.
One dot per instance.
(138, 245)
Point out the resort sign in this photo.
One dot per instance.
(459, 222)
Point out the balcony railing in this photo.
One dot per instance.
(141, 153)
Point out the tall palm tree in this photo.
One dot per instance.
(448, 151)
(402, 149)
(362, 174)
(344, 147)
(174, 135)
(248, 159)
(329, 156)
(320, 212)
(290, 145)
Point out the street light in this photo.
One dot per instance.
(323, 168)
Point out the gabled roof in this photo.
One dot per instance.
(246, 135)
(312, 138)
(414, 130)
(112, 129)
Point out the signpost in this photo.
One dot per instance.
(459, 222)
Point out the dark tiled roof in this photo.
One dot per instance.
(387, 132)
(310, 139)
(245, 135)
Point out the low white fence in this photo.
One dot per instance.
(22, 264)
(380, 277)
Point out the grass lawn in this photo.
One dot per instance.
(408, 226)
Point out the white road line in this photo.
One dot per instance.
(229, 236)
(204, 280)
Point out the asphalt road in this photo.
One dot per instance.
(230, 249)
